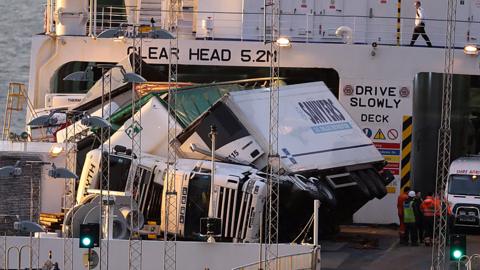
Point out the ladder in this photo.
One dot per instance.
(16, 97)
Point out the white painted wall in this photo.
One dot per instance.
(190, 255)
(372, 20)
(49, 186)
(226, 16)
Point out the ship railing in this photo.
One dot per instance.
(301, 28)
(469, 262)
(301, 261)
(109, 17)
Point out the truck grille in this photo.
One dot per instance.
(235, 210)
(147, 194)
(467, 216)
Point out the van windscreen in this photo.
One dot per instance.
(464, 185)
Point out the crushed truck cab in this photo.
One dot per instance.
(317, 141)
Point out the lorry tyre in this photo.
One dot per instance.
(326, 194)
(369, 183)
(364, 190)
(377, 181)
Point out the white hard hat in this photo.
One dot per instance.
(411, 193)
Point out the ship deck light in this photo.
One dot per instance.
(283, 42)
(470, 49)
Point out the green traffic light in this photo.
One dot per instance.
(457, 254)
(86, 241)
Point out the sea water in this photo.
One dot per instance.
(19, 20)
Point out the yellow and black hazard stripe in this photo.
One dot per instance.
(399, 9)
(406, 151)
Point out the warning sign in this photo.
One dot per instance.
(133, 129)
(392, 134)
(368, 132)
(404, 92)
(348, 90)
(379, 135)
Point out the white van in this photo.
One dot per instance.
(463, 191)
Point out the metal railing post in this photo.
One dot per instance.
(52, 11)
(94, 17)
(306, 30)
(355, 29)
(316, 208)
(103, 17)
(5, 254)
(264, 20)
(19, 252)
(90, 19)
(110, 25)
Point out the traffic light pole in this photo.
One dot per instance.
(88, 258)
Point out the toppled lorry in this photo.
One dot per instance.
(323, 153)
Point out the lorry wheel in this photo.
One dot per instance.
(378, 183)
(326, 194)
(369, 183)
(361, 185)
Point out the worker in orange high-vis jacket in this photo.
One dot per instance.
(400, 200)
(431, 208)
(428, 209)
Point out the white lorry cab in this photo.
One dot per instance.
(463, 191)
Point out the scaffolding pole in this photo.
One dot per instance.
(171, 222)
(135, 242)
(444, 144)
(69, 189)
(272, 33)
(105, 205)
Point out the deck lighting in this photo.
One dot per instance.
(61, 173)
(283, 42)
(133, 78)
(47, 120)
(10, 171)
(79, 76)
(95, 121)
(55, 150)
(128, 77)
(28, 226)
(44, 120)
(470, 49)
